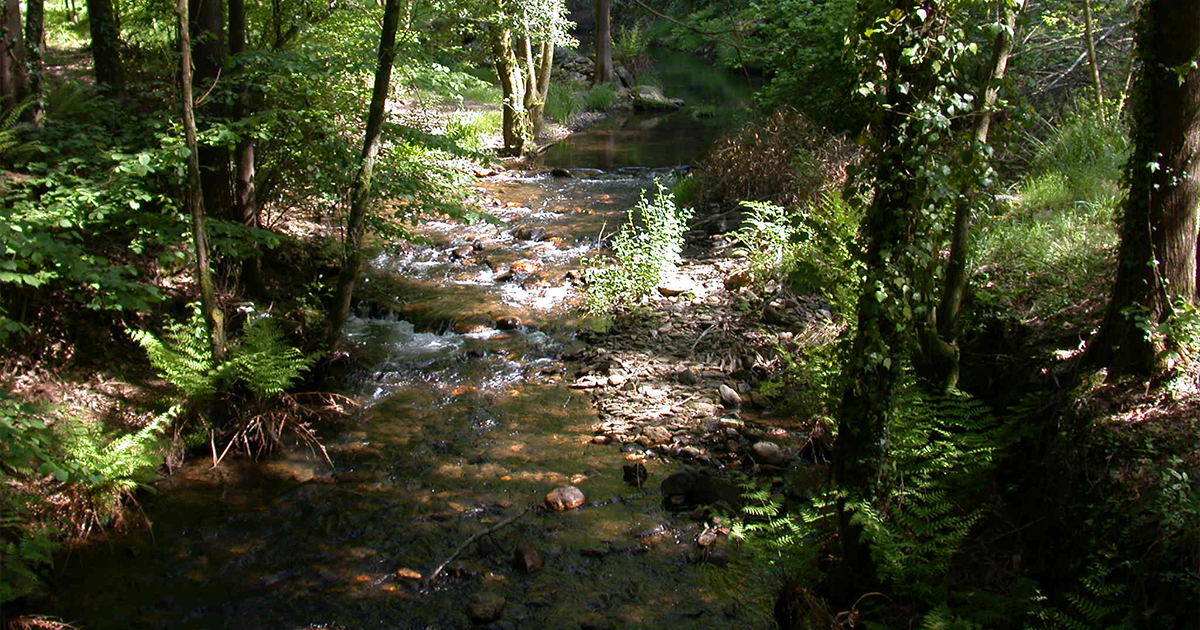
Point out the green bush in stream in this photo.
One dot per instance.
(648, 246)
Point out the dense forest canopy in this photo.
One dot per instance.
(998, 198)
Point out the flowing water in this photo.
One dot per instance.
(465, 419)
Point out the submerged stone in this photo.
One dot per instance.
(565, 498)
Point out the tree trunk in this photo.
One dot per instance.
(1088, 32)
(35, 39)
(537, 113)
(516, 128)
(1157, 258)
(362, 181)
(214, 319)
(13, 81)
(940, 364)
(604, 72)
(106, 43)
(216, 175)
(245, 202)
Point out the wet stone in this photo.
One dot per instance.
(527, 558)
(768, 453)
(530, 233)
(634, 474)
(657, 434)
(508, 322)
(463, 252)
(486, 607)
(565, 498)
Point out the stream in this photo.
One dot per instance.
(466, 417)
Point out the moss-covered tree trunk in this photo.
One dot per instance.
(13, 80)
(362, 181)
(516, 126)
(35, 39)
(106, 44)
(1157, 258)
(891, 238)
(214, 318)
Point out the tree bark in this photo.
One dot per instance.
(537, 113)
(362, 181)
(939, 342)
(1088, 32)
(516, 127)
(13, 80)
(214, 319)
(245, 202)
(106, 44)
(603, 72)
(35, 39)
(216, 174)
(1157, 262)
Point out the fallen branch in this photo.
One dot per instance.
(467, 543)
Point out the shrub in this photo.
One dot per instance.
(783, 158)
(472, 130)
(647, 246)
(812, 247)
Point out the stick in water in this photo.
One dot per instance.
(438, 571)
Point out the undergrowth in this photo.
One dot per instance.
(647, 247)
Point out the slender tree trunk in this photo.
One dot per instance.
(35, 39)
(1088, 31)
(106, 43)
(214, 319)
(516, 128)
(1157, 262)
(13, 80)
(216, 174)
(940, 364)
(537, 113)
(604, 72)
(245, 203)
(362, 181)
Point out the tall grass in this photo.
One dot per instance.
(600, 97)
(563, 102)
(1048, 250)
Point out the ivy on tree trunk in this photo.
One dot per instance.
(1157, 258)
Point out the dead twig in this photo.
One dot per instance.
(433, 575)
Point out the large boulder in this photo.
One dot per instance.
(649, 97)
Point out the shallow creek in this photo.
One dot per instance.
(465, 419)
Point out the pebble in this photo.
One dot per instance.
(565, 498)
(527, 558)
(768, 453)
(729, 396)
(601, 439)
(657, 434)
(486, 607)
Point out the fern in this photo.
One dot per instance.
(1099, 605)
(265, 362)
(262, 359)
(941, 447)
(114, 468)
(184, 357)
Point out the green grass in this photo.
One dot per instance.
(563, 102)
(1048, 251)
(471, 130)
(600, 97)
